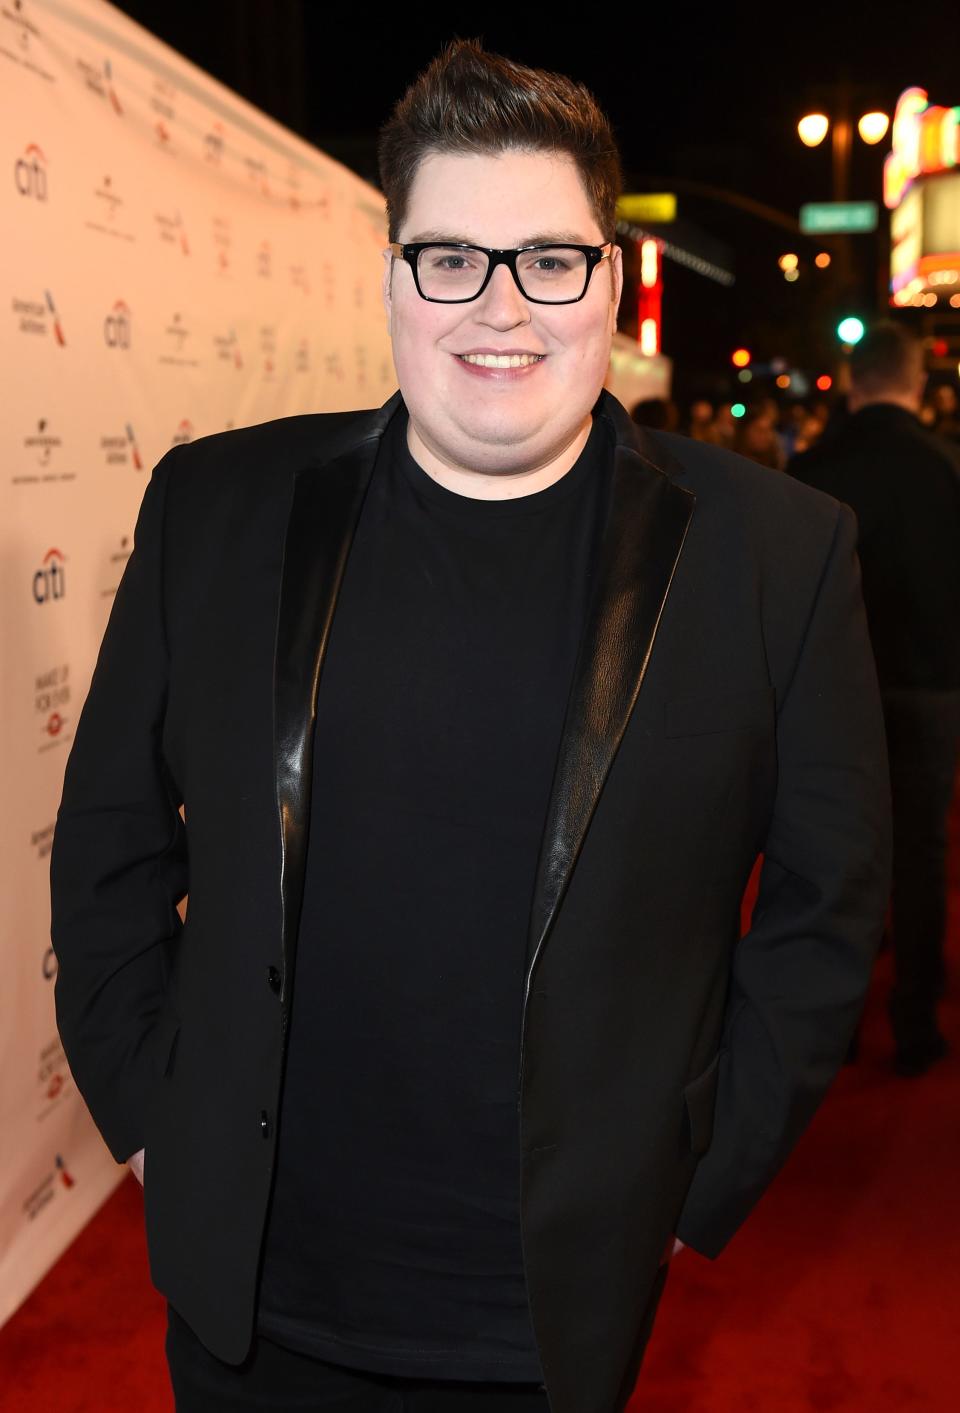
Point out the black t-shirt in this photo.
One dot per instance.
(393, 1240)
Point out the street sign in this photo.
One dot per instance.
(655, 207)
(830, 217)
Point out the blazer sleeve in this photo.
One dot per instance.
(800, 974)
(118, 865)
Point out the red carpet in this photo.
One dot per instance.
(841, 1293)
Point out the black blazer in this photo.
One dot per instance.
(724, 703)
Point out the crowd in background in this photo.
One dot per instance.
(771, 432)
(889, 447)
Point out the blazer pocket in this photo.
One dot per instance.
(720, 711)
(699, 1102)
(164, 1040)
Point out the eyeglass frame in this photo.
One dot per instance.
(500, 256)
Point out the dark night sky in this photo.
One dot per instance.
(709, 96)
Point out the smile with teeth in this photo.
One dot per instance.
(501, 360)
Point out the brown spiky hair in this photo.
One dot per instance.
(469, 101)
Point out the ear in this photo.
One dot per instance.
(386, 287)
(616, 273)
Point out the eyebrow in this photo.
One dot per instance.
(540, 238)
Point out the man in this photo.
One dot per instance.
(480, 708)
(904, 485)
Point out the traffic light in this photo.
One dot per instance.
(850, 330)
(740, 357)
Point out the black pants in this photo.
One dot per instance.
(273, 1379)
(923, 728)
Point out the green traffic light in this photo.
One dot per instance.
(850, 330)
(737, 410)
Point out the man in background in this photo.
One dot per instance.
(904, 485)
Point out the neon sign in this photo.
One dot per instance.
(926, 138)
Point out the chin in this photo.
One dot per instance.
(497, 442)
(518, 426)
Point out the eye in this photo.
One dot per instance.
(449, 262)
(550, 262)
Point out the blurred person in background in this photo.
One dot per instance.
(807, 433)
(903, 482)
(796, 415)
(943, 402)
(700, 422)
(756, 436)
(724, 426)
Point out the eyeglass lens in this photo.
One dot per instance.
(546, 273)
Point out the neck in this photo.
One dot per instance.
(495, 485)
(893, 398)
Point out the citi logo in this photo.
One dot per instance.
(116, 326)
(49, 582)
(30, 173)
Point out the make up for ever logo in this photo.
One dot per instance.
(51, 704)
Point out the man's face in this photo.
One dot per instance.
(500, 419)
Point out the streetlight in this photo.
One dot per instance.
(872, 127)
(814, 127)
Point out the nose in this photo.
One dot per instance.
(501, 305)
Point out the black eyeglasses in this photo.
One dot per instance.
(544, 274)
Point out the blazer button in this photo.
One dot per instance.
(264, 1123)
(274, 978)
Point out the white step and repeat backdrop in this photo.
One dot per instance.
(174, 263)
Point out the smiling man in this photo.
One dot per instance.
(480, 708)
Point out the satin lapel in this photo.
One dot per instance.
(324, 512)
(643, 537)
